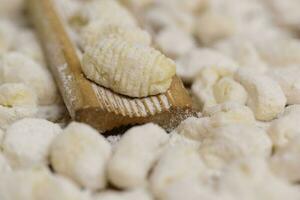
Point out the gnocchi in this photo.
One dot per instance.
(107, 11)
(228, 90)
(178, 139)
(195, 128)
(213, 27)
(2, 133)
(86, 164)
(17, 101)
(282, 53)
(137, 151)
(27, 142)
(4, 165)
(225, 144)
(137, 3)
(193, 189)
(288, 80)
(17, 68)
(9, 115)
(284, 129)
(230, 113)
(131, 69)
(191, 64)
(69, 10)
(95, 32)
(265, 96)
(7, 34)
(165, 41)
(175, 164)
(160, 17)
(202, 88)
(17, 94)
(38, 184)
(285, 13)
(11, 8)
(251, 178)
(188, 5)
(285, 162)
(244, 52)
(28, 44)
(291, 109)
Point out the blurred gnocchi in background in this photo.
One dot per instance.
(240, 61)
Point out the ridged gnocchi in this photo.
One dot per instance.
(130, 69)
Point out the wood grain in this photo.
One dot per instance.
(91, 103)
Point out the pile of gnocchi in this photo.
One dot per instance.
(240, 60)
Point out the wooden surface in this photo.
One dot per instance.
(91, 103)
